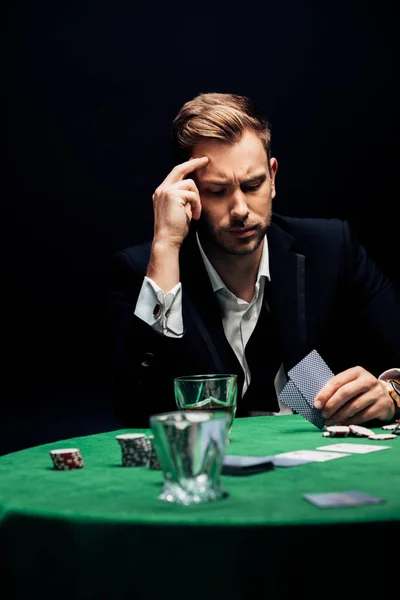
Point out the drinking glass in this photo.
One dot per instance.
(190, 448)
(210, 392)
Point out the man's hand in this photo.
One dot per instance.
(176, 201)
(353, 397)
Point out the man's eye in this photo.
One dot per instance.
(251, 188)
(216, 192)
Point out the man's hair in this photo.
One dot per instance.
(216, 116)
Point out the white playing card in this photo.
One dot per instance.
(312, 455)
(352, 448)
(310, 375)
(293, 398)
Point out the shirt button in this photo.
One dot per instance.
(247, 316)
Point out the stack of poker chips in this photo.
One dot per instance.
(153, 459)
(391, 431)
(66, 459)
(394, 427)
(135, 449)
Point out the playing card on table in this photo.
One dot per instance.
(312, 455)
(310, 375)
(352, 448)
(242, 465)
(246, 465)
(339, 499)
(293, 398)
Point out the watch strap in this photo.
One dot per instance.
(393, 387)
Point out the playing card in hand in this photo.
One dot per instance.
(293, 398)
(306, 379)
(310, 375)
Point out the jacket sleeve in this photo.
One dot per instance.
(376, 303)
(139, 354)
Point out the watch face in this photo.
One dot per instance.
(395, 386)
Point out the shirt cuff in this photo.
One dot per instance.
(163, 312)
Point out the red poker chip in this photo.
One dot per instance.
(382, 436)
(66, 459)
(338, 430)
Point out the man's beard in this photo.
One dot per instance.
(221, 238)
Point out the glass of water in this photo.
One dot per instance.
(210, 392)
(190, 448)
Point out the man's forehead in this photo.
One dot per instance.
(243, 159)
(215, 172)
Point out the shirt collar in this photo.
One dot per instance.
(216, 281)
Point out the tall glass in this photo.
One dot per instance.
(210, 392)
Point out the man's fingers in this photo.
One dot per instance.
(185, 191)
(180, 171)
(343, 395)
(192, 198)
(336, 383)
(349, 417)
(185, 184)
(347, 408)
(191, 194)
(350, 403)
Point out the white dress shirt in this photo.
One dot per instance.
(163, 312)
(239, 317)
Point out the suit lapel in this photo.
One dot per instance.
(287, 270)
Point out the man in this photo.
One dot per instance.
(227, 286)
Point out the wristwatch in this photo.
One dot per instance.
(393, 387)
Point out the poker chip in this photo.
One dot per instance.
(153, 459)
(392, 427)
(382, 436)
(360, 431)
(65, 459)
(338, 431)
(135, 449)
(130, 437)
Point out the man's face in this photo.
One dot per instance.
(236, 192)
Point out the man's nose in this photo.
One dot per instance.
(239, 208)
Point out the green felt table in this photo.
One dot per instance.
(101, 532)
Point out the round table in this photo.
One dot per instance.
(101, 532)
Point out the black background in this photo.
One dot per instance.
(91, 91)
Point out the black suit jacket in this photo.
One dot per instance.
(325, 294)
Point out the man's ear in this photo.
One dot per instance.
(273, 167)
